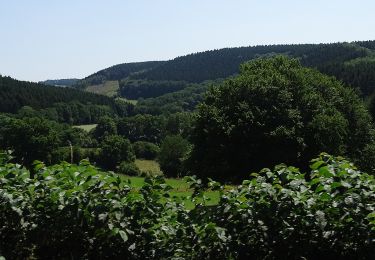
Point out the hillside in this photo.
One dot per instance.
(94, 82)
(353, 63)
(59, 82)
(60, 104)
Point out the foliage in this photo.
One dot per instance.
(129, 168)
(284, 214)
(134, 89)
(173, 152)
(145, 150)
(116, 72)
(64, 105)
(15, 94)
(333, 59)
(180, 101)
(114, 150)
(277, 111)
(70, 211)
(142, 128)
(64, 154)
(31, 138)
(106, 126)
(40, 139)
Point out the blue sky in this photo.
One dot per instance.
(50, 39)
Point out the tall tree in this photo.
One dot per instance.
(276, 111)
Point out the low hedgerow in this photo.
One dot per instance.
(75, 211)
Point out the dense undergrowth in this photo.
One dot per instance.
(75, 211)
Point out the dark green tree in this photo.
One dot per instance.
(276, 111)
(145, 150)
(30, 139)
(106, 127)
(114, 150)
(173, 153)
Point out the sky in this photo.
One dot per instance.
(53, 39)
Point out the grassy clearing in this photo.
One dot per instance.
(148, 166)
(87, 128)
(108, 88)
(180, 191)
(131, 101)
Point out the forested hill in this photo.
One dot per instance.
(60, 104)
(15, 94)
(116, 72)
(354, 63)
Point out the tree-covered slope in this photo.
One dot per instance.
(15, 94)
(328, 58)
(116, 72)
(55, 103)
(353, 63)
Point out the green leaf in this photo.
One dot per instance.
(325, 196)
(123, 235)
(316, 165)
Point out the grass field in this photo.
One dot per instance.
(87, 128)
(180, 187)
(108, 88)
(180, 190)
(148, 166)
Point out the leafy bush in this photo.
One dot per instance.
(69, 211)
(114, 150)
(285, 214)
(145, 150)
(129, 168)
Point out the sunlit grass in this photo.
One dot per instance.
(149, 166)
(87, 128)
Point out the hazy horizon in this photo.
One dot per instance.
(72, 39)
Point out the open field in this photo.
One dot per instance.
(87, 128)
(148, 166)
(108, 88)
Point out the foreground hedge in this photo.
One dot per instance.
(70, 211)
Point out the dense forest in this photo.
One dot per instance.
(222, 63)
(353, 63)
(60, 104)
(116, 72)
(185, 100)
(134, 89)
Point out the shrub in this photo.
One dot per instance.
(145, 150)
(285, 214)
(129, 168)
(68, 211)
(114, 150)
